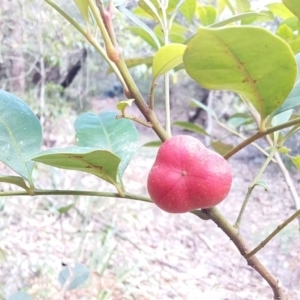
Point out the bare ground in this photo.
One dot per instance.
(136, 251)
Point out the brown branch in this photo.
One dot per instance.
(214, 214)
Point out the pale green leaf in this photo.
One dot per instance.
(243, 5)
(167, 58)
(16, 180)
(104, 131)
(188, 9)
(190, 127)
(20, 134)
(243, 61)
(83, 7)
(293, 6)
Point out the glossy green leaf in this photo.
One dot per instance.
(293, 99)
(101, 163)
(153, 144)
(167, 58)
(104, 131)
(238, 17)
(190, 127)
(16, 180)
(188, 9)
(138, 22)
(293, 6)
(242, 62)
(83, 7)
(296, 161)
(73, 276)
(20, 134)
(242, 5)
(221, 148)
(280, 10)
(206, 14)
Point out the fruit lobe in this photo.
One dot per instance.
(187, 176)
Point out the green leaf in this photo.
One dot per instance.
(122, 105)
(83, 7)
(141, 24)
(243, 61)
(239, 119)
(73, 276)
(229, 5)
(20, 134)
(242, 5)
(262, 184)
(104, 131)
(188, 9)
(65, 209)
(101, 163)
(207, 14)
(177, 33)
(145, 36)
(293, 99)
(239, 17)
(296, 161)
(190, 127)
(280, 10)
(221, 148)
(167, 58)
(16, 180)
(293, 6)
(285, 32)
(284, 150)
(151, 7)
(210, 111)
(153, 144)
(295, 45)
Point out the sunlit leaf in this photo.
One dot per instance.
(83, 7)
(134, 62)
(207, 14)
(239, 17)
(284, 150)
(188, 9)
(243, 5)
(20, 134)
(285, 32)
(145, 36)
(122, 105)
(104, 131)
(296, 161)
(280, 10)
(151, 7)
(73, 277)
(101, 163)
(293, 6)
(138, 22)
(190, 127)
(167, 58)
(242, 61)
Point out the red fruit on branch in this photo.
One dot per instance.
(187, 176)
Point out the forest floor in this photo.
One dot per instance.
(136, 251)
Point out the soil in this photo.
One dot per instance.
(136, 251)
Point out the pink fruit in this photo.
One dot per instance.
(187, 176)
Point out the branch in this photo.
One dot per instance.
(214, 214)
